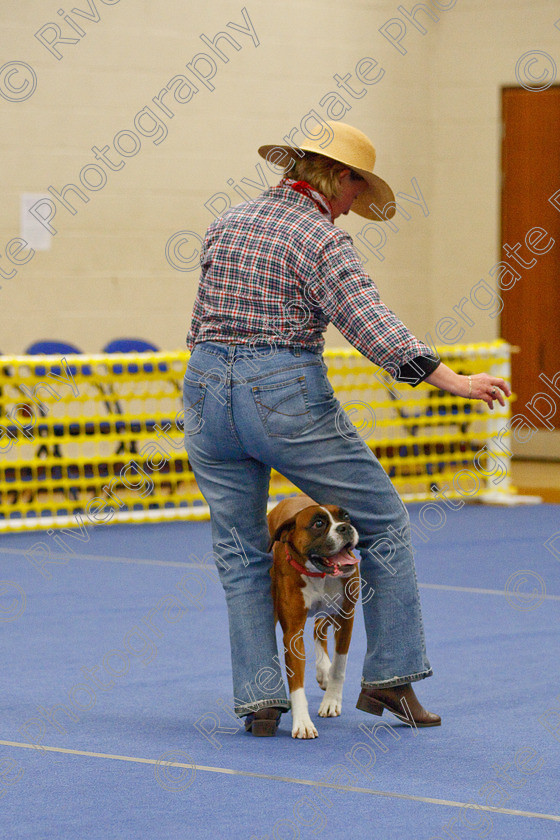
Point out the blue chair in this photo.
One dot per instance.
(55, 348)
(130, 345)
(136, 345)
(133, 345)
(49, 347)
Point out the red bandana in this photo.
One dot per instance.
(321, 202)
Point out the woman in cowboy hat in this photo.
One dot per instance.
(275, 272)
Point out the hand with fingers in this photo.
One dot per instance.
(476, 386)
(482, 386)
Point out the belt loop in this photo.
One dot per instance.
(296, 351)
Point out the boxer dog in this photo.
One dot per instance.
(313, 571)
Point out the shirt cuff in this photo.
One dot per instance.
(416, 370)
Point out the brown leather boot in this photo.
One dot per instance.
(401, 701)
(264, 722)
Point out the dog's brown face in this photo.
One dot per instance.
(324, 536)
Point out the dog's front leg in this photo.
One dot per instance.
(322, 661)
(331, 705)
(302, 725)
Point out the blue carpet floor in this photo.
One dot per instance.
(113, 672)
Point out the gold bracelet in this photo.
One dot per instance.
(470, 388)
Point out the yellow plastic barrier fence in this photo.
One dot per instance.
(95, 439)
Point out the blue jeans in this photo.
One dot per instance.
(248, 410)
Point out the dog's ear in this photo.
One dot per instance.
(282, 531)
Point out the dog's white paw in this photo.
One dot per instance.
(331, 706)
(303, 727)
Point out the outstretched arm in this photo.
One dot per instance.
(478, 386)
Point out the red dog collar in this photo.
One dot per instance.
(302, 569)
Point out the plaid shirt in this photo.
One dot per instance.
(276, 271)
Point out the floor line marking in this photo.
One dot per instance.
(479, 591)
(308, 782)
(143, 561)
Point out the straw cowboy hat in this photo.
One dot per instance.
(351, 147)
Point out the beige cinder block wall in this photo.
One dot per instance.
(154, 125)
(481, 47)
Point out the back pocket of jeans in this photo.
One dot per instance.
(283, 408)
(193, 403)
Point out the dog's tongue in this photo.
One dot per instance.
(343, 558)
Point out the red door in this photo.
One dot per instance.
(531, 240)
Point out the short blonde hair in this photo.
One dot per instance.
(319, 171)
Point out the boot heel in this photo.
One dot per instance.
(264, 728)
(263, 723)
(368, 704)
